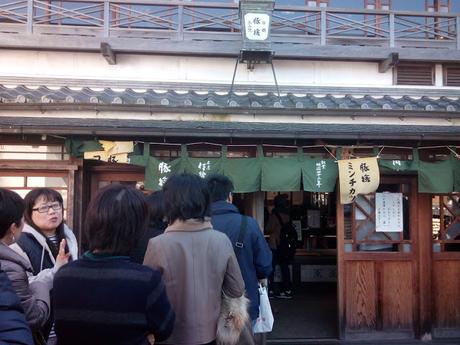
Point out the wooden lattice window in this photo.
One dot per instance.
(414, 74)
(451, 75)
(361, 234)
(446, 222)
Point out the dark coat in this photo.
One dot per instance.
(255, 258)
(103, 299)
(13, 325)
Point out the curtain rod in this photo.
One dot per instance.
(305, 147)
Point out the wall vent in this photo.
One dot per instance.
(451, 75)
(414, 74)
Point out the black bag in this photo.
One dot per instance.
(288, 239)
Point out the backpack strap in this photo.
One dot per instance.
(239, 243)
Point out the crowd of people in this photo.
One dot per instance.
(156, 269)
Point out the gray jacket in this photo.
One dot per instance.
(34, 297)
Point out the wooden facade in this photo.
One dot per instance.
(207, 28)
(398, 286)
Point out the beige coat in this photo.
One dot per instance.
(197, 264)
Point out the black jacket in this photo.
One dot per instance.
(13, 326)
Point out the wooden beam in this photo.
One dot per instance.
(389, 62)
(230, 48)
(108, 53)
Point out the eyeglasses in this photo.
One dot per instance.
(45, 208)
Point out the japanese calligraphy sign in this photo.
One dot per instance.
(114, 151)
(164, 170)
(398, 165)
(257, 25)
(319, 175)
(203, 166)
(357, 176)
(388, 212)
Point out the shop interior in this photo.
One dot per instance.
(312, 311)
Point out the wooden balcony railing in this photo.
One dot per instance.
(185, 21)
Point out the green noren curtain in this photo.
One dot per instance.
(77, 148)
(156, 170)
(319, 175)
(277, 173)
(201, 166)
(398, 165)
(245, 173)
(281, 173)
(456, 167)
(435, 177)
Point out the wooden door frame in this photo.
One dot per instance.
(94, 170)
(50, 168)
(421, 278)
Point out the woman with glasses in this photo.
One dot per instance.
(34, 294)
(44, 232)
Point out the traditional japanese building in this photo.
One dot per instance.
(94, 92)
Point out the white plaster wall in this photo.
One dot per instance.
(372, 119)
(151, 68)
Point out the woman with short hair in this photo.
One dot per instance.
(197, 262)
(104, 297)
(43, 234)
(34, 294)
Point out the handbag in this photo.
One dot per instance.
(232, 321)
(264, 322)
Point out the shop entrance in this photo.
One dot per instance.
(311, 312)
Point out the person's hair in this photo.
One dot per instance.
(155, 204)
(219, 186)
(11, 210)
(115, 220)
(186, 196)
(49, 195)
(281, 201)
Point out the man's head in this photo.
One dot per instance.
(281, 201)
(220, 187)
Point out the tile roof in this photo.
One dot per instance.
(126, 127)
(171, 99)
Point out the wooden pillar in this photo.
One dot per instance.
(425, 253)
(254, 207)
(340, 221)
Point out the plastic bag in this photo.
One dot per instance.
(264, 322)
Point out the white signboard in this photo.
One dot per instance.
(388, 212)
(256, 26)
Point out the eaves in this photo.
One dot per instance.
(268, 111)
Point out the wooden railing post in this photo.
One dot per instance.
(180, 23)
(30, 16)
(323, 27)
(392, 30)
(106, 18)
(457, 31)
